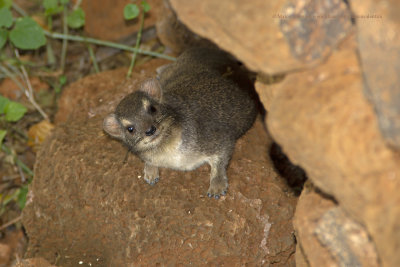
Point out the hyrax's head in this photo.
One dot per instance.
(140, 120)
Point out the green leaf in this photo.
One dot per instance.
(2, 135)
(76, 18)
(6, 18)
(3, 37)
(14, 111)
(63, 80)
(27, 34)
(131, 11)
(5, 3)
(3, 103)
(64, 2)
(48, 4)
(21, 198)
(146, 6)
(52, 7)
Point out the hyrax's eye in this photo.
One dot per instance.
(130, 129)
(152, 109)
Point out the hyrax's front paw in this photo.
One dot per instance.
(218, 187)
(151, 175)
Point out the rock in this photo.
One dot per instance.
(323, 122)
(264, 86)
(301, 260)
(174, 34)
(378, 28)
(85, 204)
(310, 251)
(328, 237)
(269, 36)
(13, 243)
(34, 262)
(345, 239)
(5, 254)
(9, 89)
(105, 19)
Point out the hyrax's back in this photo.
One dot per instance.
(213, 98)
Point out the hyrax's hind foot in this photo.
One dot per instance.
(218, 187)
(151, 175)
(218, 179)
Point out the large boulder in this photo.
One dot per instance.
(174, 34)
(327, 236)
(324, 123)
(269, 36)
(378, 28)
(87, 205)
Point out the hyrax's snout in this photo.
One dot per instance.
(151, 130)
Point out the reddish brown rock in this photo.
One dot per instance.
(269, 36)
(9, 89)
(85, 204)
(324, 123)
(265, 87)
(378, 32)
(327, 237)
(105, 19)
(174, 34)
(5, 254)
(309, 250)
(34, 262)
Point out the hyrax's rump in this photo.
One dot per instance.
(191, 114)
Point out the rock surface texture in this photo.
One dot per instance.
(328, 237)
(87, 205)
(173, 33)
(325, 124)
(378, 27)
(268, 36)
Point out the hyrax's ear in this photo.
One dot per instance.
(112, 126)
(152, 87)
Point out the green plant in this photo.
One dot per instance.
(132, 11)
(18, 196)
(75, 17)
(11, 112)
(25, 33)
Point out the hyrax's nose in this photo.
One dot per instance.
(151, 130)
